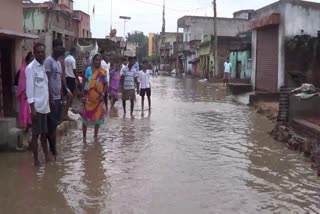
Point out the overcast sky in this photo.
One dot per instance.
(146, 15)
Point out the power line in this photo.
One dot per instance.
(168, 8)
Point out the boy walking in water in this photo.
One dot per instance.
(227, 72)
(129, 80)
(145, 85)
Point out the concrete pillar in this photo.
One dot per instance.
(281, 57)
(254, 59)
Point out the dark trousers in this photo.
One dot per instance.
(53, 122)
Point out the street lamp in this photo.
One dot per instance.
(125, 18)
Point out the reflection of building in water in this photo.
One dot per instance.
(96, 195)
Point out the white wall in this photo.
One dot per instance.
(298, 17)
(281, 56)
(189, 66)
(196, 27)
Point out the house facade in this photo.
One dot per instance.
(51, 21)
(11, 53)
(274, 27)
(167, 44)
(197, 28)
(83, 24)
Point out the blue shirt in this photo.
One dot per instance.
(136, 66)
(129, 76)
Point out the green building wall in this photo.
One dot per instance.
(246, 64)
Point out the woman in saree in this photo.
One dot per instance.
(24, 116)
(94, 110)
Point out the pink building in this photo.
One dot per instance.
(11, 37)
(83, 29)
(55, 20)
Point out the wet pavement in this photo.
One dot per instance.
(197, 152)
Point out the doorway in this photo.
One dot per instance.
(6, 75)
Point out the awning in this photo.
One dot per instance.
(195, 60)
(273, 19)
(14, 34)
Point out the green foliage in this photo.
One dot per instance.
(142, 41)
(137, 37)
(154, 59)
(300, 42)
(202, 64)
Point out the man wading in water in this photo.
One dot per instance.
(38, 97)
(129, 81)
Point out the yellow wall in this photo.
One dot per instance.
(150, 44)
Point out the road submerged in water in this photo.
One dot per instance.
(198, 151)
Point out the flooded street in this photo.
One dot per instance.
(197, 152)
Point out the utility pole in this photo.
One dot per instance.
(111, 17)
(216, 63)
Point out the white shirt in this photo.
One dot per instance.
(227, 67)
(70, 64)
(37, 87)
(122, 67)
(144, 79)
(105, 66)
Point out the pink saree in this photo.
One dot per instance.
(24, 116)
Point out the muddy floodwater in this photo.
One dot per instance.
(197, 152)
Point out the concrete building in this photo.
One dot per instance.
(51, 21)
(197, 28)
(167, 44)
(131, 49)
(11, 38)
(241, 57)
(83, 19)
(11, 57)
(272, 26)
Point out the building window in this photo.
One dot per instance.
(59, 36)
(54, 35)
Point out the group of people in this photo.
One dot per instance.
(44, 82)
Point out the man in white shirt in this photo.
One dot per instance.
(227, 72)
(38, 97)
(124, 64)
(105, 64)
(71, 72)
(71, 79)
(145, 84)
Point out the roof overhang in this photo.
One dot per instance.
(4, 33)
(273, 19)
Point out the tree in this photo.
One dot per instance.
(142, 41)
(154, 59)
